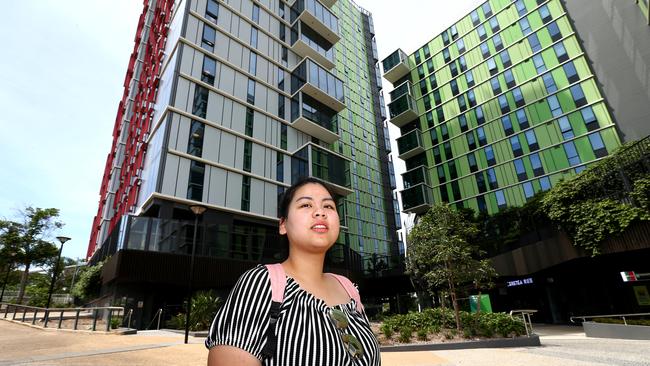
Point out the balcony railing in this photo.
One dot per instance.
(404, 88)
(318, 17)
(328, 166)
(308, 43)
(396, 66)
(410, 144)
(312, 79)
(416, 176)
(402, 110)
(417, 199)
(314, 118)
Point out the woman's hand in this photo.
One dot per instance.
(228, 356)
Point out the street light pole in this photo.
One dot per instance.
(198, 210)
(62, 239)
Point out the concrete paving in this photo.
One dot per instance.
(562, 346)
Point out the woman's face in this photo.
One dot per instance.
(312, 223)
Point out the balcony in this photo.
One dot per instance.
(416, 176)
(317, 162)
(402, 110)
(396, 66)
(417, 199)
(312, 79)
(306, 42)
(317, 17)
(329, 3)
(404, 88)
(410, 144)
(314, 118)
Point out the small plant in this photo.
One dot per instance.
(115, 323)
(422, 334)
(387, 329)
(467, 333)
(405, 334)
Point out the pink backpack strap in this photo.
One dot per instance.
(350, 289)
(278, 281)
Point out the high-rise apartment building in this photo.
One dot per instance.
(507, 101)
(227, 103)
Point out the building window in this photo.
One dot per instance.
(571, 153)
(454, 32)
(487, 11)
(462, 64)
(455, 190)
(469, 78)
(421, 71)
(256, 13)
(195, 142)
(471, 98)
(453, 84)
(250, 118)
(492, 179)
(578, 95)
(423, 87)
(505, 58)
(589, 118)
(281, 12)
(461, 46)
(212, 11)
(507, 125)
(481, 32)
(471, 160)
(518, 96)
(492, 66)
(496, 40)
(430, 68)
(525, 26)
(565, 128)
(533, 41)
(283, 136)
(453, 69)
(279, 167)
(501, 199)
(451, 166)
(528, 190)
(432, 81)
(516, 146)
(538, 61)
(434, 136)
(475, 18)
(485, 50)
(482, 140)
(489, 156)
(471, 143)
(446, 55)
(549, 83)
(200, 104)
(444, 195)
(510, 79)
(554, 104)
(482, 205)
(208, 38)
(545, 14)
(427, 52)
(496, 86)
(436, 97)
(441, 115)
(480, 117)
(248, 154)
(253, 39)
(597, 145)
(442, 178)
(522, 119)
(545, 183)
(437, 158)
(281, 102)
(536, 164)
(246, 193)
(531, 139)
(571, 72)
(209, 70)
(280, 79)
(250, 91)
(521, 7)
(462, 105)
(252, 63)
(445, 38)
(503, 103)
(480, 182)
(560, 52)
(448, 153)
(418, 58)
(520, 169)
(444, 132)
(283, 32)
(195, 181)
(554, 31)
(494, 24)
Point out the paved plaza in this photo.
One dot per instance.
(562, 346)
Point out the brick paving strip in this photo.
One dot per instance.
(61, 356)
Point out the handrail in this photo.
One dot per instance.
(525, 317)
(623, 316)
(94, 311)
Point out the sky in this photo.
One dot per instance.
(61, 79)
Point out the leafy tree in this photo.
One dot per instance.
(440, 254)
(89, 282)
(28, 240)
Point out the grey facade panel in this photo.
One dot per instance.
(616, 38)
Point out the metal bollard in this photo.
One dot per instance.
(60, 319)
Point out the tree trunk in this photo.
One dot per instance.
(452, 293)
(23, 284)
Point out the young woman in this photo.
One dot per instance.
(319, 322)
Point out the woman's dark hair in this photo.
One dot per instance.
(288, 195)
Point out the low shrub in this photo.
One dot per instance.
(387, 329)
(422, 334)
(405, 334)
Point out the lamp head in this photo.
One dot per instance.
(198, 209)
(62, 239)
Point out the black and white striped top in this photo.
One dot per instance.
(306, 335)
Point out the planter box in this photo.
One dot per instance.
(532, 341)
(620, 331)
